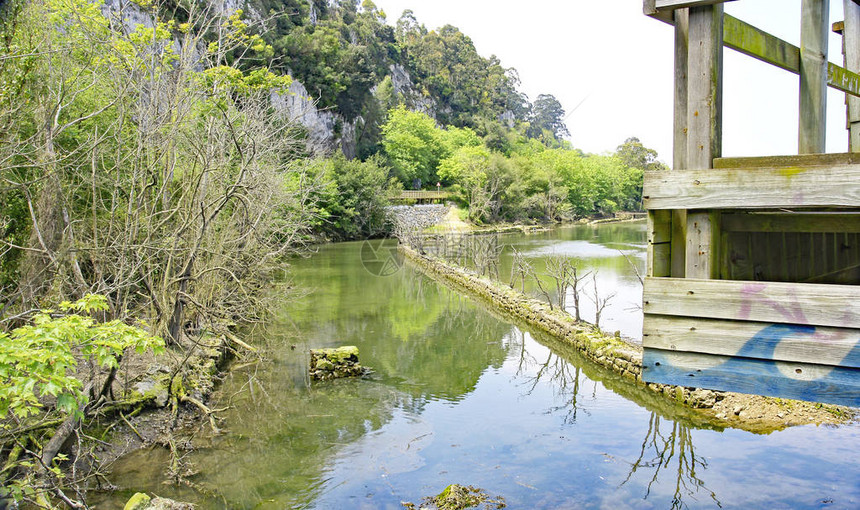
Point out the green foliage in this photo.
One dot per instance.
(350, 196)
(547, 120)
(413, 144)
(38, 360)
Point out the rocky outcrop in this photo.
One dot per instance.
(404, 88)
(322, 126)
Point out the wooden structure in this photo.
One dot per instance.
(754, 263)
(424, 196)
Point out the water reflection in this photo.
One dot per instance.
(672, 454)
(462, 396)
(667, 455)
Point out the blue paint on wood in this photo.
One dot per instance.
(753, 370)
(743, 375)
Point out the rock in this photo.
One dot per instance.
(702, 399)
(139, 501)
(169, 504)
(737, 410)
(155, 388)
(335, 363)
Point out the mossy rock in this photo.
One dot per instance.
(341, 354)
(139, 501)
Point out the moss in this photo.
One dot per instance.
(139, 501)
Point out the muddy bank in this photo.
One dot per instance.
(722, 409)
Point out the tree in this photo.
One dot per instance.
(547, 120)
(413, 145)
(353, 205)
(635, 155)
(468, 167)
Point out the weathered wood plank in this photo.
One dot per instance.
(841, 79)
(682, 44)
(801, 160)
(816, 383)
(702, 245)
(813, 76)
(679, 243)
(753, 189)
(791, 222)
(851, 43)
(774, 302)
(705, 86)
(758, 340)
(749, 40)
(649, 8)
(659, 243)
(663, 5)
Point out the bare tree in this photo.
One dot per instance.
(599, 301)
(566, 275)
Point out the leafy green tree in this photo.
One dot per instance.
(39, 359)
(635, 155)
(547, 120)
(413, 145)
(469, 167)
(352, 202)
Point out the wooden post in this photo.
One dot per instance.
(851, 44)
(704, 134)
(679, 156)
(813, 75)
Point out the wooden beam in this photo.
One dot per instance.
(764, 188)
(682, 44)
(805, 304)
(848, 222)
(679, 243)
(705, 86)
(794, 161)
(801, 381)
(649, 7)
(851, 41)
(813, 76)
(663, 5)
(749, 40)
(702, 253)
(841, 79)
(659, 243)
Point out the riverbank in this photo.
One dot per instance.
(748, 412)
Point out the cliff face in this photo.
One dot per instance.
(349, 66)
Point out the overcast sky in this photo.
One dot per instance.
(611, 68)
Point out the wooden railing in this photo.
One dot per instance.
(424, 195)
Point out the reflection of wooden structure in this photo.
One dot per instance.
(754, 263)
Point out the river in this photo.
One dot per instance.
(460, 395)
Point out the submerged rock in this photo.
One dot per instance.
(141, 501)
(335, 363)
(459, 497)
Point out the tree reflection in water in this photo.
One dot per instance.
(563, 377)
(675, 455)
(665, 455)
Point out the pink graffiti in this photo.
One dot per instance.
(751, 293)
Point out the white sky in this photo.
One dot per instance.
(611, 68)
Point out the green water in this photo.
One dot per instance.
(459, 395)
